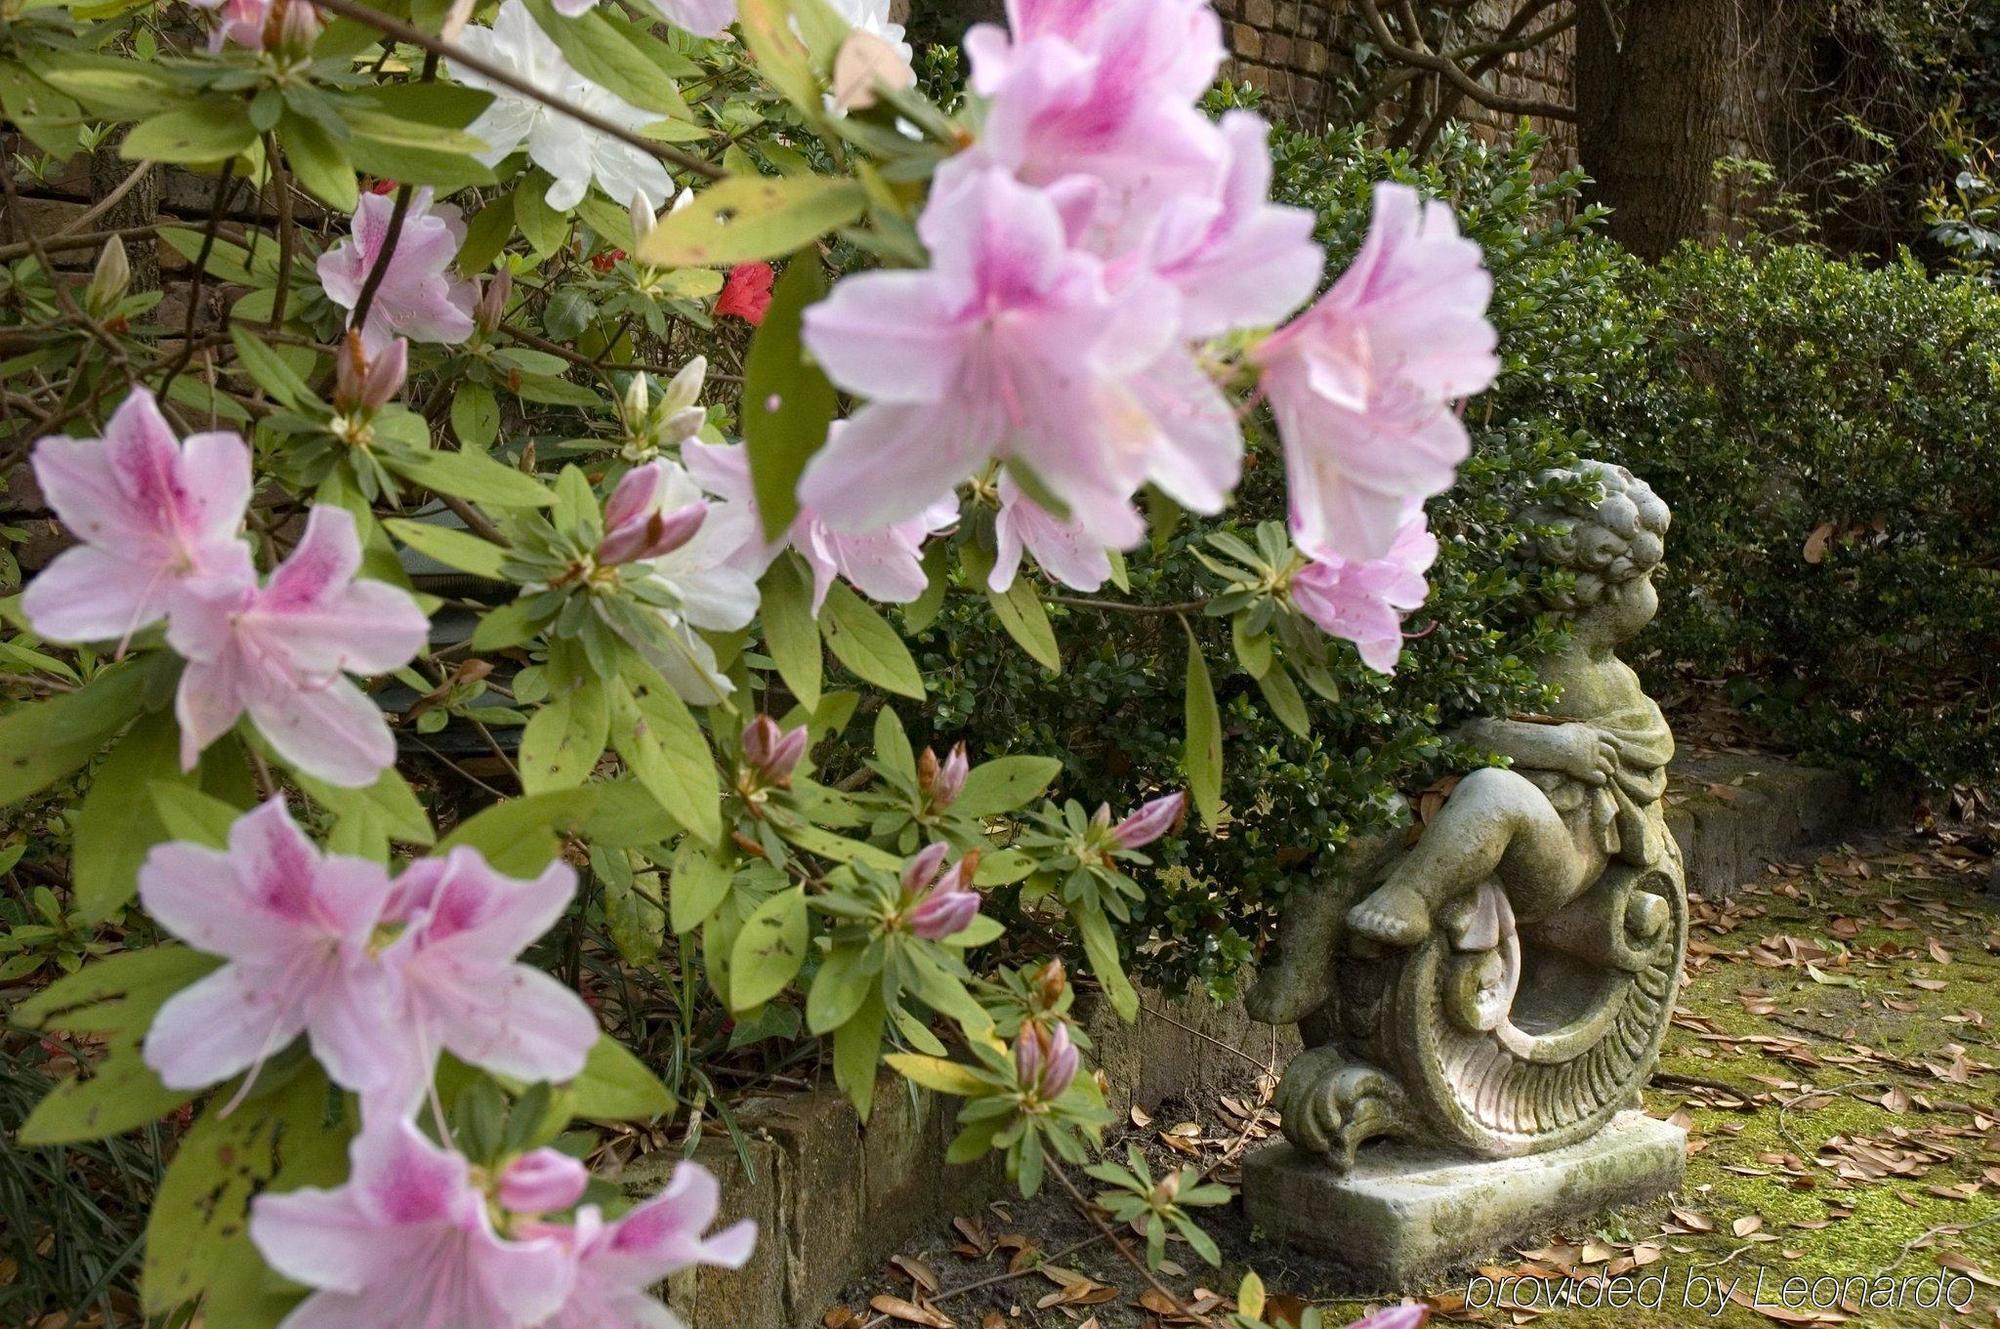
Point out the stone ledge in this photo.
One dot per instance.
(1405, 1217)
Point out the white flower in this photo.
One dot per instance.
(872, 16)
(566, 148)
(713, 594)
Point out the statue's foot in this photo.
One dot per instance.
(1393, 916)
(1331, 1105)
(1647, 915)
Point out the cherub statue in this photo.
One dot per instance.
(1505, 981)
(1582, 782)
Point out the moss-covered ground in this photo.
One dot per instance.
(1835, 1059)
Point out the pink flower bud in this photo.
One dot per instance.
(1149, 823)
(948, 908)
(651, 536)
(637, 494)
(542, 1182)
(492, 305)
(298, 28)
(922, 870)
(950, 778)
(1045, 1062)
(1408, 1316)
(771, 752)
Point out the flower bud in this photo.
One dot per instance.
(1160, 817)
(922, 870)
(1050, 982)
(685, 388)
(772, 753)
(949, 907)
(942, 782)
(654, 536)
(642, 219)
(362, 387)
(1045, 1062)
(638, 402)
(492, 305)
(110, 280)
(298, 28)
(542, 1182)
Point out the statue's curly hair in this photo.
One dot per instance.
(1618, 539)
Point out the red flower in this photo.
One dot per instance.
(747, 293)
(383, 187)
(606, 261)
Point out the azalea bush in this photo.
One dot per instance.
(481, 457)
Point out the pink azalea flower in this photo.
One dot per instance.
(1011, 345)
(1105, 90)
(1063, 549)
(419, 298)
(407, 1241)
(747, 293)
(1152, 821)
(1361, 383)
(282, 653)
(1363, 601)
(151, 512)
(462, 991)
(1238, 260)
(884, 564)
(618, 1262)
(239, 21)
(636, 529)
(543, 1181)
(1407, 1316)
(295, 928)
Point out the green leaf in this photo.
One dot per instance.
(117, 825)
(209, 131)
(475, 415)
(616, 1086)
(188, 814)
(319, 161)
(563, 740)
(277, 1140)
(542, 226)
(892, 745)
(1282, 695)
(698, 886)
(470, 475)
(659, 739)
(269, 371)
(453, 548)
(863, 641)
(768, 951)
(788, 404)
(389, 807)
(614, 56)
(1100, 947)
(43, 741)
(1006, 784)
(518, 837)
(636, 924)
(747, 218)
(840, 988)
(486, 234)
(857, 1044)
(1202, 757)
(789, 630)
(117, 998)
(946, 1077)
(1021, 612)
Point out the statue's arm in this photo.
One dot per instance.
(1568, 748)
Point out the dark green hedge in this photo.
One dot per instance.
(1829, 437)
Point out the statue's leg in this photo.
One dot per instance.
(1496, 823)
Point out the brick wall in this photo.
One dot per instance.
(1293, 50)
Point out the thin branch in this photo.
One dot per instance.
(1452, 73)
(403, 32)
(200, 275)
(110, 200)
(281, 181)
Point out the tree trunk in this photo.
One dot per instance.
(1659, 99)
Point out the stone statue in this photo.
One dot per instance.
(1501, 986)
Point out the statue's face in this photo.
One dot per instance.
(1624, 611)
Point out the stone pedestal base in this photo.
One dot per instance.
(1405, 1217)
